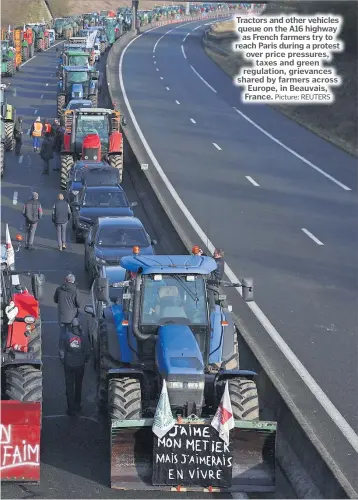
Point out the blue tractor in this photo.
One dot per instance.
(77, 82)
(164, 319)
(169, 323)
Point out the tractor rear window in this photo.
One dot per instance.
(92, 124)
(95, 198)
(117, 237)
(77, 77)
(77, 61)
(173, 299)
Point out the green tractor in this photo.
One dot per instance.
(7, 126)
(77, 82)
(8, 59)
(42, 36)
(58, 26)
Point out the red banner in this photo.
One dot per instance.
(20, 431)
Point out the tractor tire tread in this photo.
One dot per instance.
(23, 383)
(9, 136)
(116, 161)
(244, 399)
(124, 399)
(66, 165)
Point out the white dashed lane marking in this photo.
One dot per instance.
(216, 146)
(312, 236)
(250, 179)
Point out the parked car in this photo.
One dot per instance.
(112, 238)
(92, 174)
(98, 201)
(115, 276)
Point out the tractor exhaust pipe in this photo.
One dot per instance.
(136, 310)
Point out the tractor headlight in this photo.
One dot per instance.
(29, 320)
(194, 385)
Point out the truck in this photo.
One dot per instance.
(21, 371)
(167, 355)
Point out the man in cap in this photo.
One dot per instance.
(47, 152)
(32, 211)
(74, 351)
(36, 133)
(218, 256)
(68, 302)
(61, 214)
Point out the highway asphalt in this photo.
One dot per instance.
(281, 201)
(74, 452)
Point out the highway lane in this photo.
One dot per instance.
(283, 199)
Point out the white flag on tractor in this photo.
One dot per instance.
(91, 39)
(163, 418)
(10, 253)
(223, 420)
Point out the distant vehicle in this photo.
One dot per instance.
(93, 174)
(52, 36)
(75, 104)
(97, 51)
(112, 238)
(98, 201)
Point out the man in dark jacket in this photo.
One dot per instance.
(18, 133)
(61, 214)
(32, 211)
(46, 152)
(68, 302)
(74, 351)
(57, 144)
(218, 274)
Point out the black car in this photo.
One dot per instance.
(98, 201)
(93, 174)
(111, 238)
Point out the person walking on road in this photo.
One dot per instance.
(36, 133)
(32, 211)
(74, 351)
(18, 135)
(57, 144)
(61, 214)
(68, 302)
(46, 152)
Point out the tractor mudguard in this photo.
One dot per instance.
(253, 456)
(20, 441)
(115, 143)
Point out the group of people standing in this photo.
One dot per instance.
(52, 135)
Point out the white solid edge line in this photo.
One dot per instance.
(157, 27)
(216, 146)
(312, 236)
(202, 79)
(307, 378)
(182, 49)
(250, 179)
(302, 158)
(23, 64)
(192, 120)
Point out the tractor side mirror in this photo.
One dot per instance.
(101, 289)
(37, 283)
(89, 310)
(247, 289)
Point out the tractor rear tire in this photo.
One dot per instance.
(10, 68)
(46, 43)
(102, 47)
(39, 45)
(124, 399)
(66, 165)
(32, 50)
(94, 100)
(9, 136)
(116, 161)
(61, 102)
(23, 383)
(244, 399)
(25, 54)
(105, 364)
(34, 340)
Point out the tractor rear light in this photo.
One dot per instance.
(195, 385)
(18, 237)
(125, 322)
(195, 250)
(136, 250)
(158, 277)
(224, 323)
(29, 320)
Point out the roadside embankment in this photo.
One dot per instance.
(336, 123)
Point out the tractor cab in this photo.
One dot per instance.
(91, 124)
(77, 82)
(76, 58)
